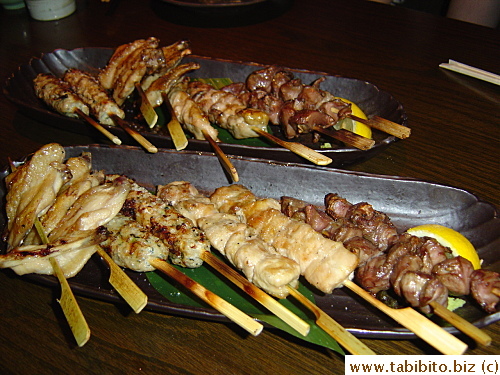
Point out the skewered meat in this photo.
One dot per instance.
(483, 283)
(455, 274)
(403, 262)
(239, 243)
(190, 114)
(32, 189)
(227, 110)
(71, 252)
(94, 95)
(166, 82)
(81, 180)
(296, 107)
(131, 245)
(58, 94)
(324, 263)
(93, 208)
(108, 74)
(186, 243)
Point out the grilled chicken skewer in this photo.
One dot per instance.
(371, 235)
(261, 264)
(312, 254)
(134, 246)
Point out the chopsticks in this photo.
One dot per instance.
(471, 71)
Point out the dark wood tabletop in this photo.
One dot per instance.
(454, 141)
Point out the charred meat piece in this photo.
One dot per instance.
(455, 274)
(227, 110)
(58, 94)
(131, 245)
(483, 285)
(88, 88)
(186, 243)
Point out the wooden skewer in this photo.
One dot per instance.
(427, 330)
(129, 290)
(233, 313)
(386, 126)
(460, 323)
(68, 303)
(175, 128)
(334, 329)
(297, 148)
(113, 138)
(147, 109)
(137, 136)
(382, 124)
(349, 138)
(496, 291)
(263, 298)
(224, 160)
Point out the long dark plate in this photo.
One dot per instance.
(370, 98)
(408, 202)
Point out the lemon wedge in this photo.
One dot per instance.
(448, 237)
(354, 126)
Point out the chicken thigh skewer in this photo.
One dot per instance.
(240, 245)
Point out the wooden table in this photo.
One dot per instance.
(454, 141)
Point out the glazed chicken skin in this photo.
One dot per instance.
(239, 243)
(58, 94)
(326, 264)
(227, 110)
(88, 88)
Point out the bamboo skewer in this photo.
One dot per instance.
(147, 110)
(175, 128)
(349, 138)
(138, 137)
(382, 124)
(297, 148)
(113, 138)
(461, 324)
(68, 303)
(129, 290)
(427, 330)
(496, 291)
(334, 329)
(260, 296)
(233, 313)
(224, 160)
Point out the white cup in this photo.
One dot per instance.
(50, 10)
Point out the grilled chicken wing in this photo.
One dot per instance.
(32, 189)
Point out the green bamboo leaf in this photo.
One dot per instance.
(218, 284)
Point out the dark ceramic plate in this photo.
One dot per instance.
(408, 202)
(370, 99)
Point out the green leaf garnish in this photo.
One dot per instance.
(218, 284)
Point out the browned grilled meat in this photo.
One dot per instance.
(88, 88)
(484, 287)
(58, 94)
